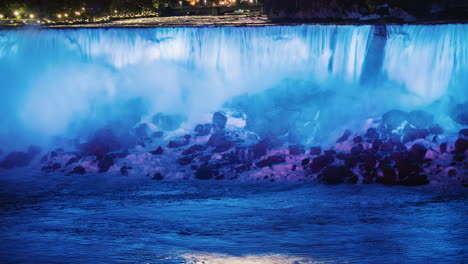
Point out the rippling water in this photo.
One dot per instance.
(97, 219)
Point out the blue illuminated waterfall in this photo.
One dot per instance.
(311, 81)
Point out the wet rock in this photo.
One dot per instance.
(420, 119)
(296, 150)
(443, 147)
(372, 133)
(356, 150)
(344, 137)
(72, 160)
(243, 168)
(180, 142)
(305, 161)
(105, 163)
(464, 133)
(124, 170)
(270, 161)
(393, 119)
(318, 163)
(417, 152)
(460, 113)
(335, 174)
(461, 145)
(389, 175)
(386, 147)
(329, 152)
(436, 129)
(395, 138)
(101, 143)
(415, 180)
(220, 142)
(158, 176)
(411, 134)
(78, 170)
(52, 167)
(219, 121)
(194, 149)
(185, 160)
(315, 150)
(357, 139)
(204, 173)
(400, 147)
(158, 151)
(376, 144)
(203, 130)
(259, 149)
(408, 170)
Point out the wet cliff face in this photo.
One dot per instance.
(395, 10)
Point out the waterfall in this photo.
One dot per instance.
(307, 78)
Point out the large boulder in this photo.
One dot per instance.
(335, 174)
(219, 121)
(420, 119)
(204, 172)
(393, 119)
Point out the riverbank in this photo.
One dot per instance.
(228, 20)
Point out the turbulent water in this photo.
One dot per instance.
(311, 82)
(98, 219)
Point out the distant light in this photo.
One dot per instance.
(115, 11)
(1, 16)
(31, 16)
(77, 13)
(83, 8)
(16, 13)
(66, 15)
(59, 16)
(38, 21)
(180, 3)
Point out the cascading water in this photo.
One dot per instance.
(305, 81)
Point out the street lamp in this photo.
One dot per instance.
(31, 16)
(1, 16)
(16, 13)
(59, 16)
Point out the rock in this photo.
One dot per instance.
(315, 150)
(219, 121)
(372, 133)
(158, 176)
(344, 137)
(393, 119)
(79, 170)
(73, 160)
(194, 149)
(52, 167)
(386, 147)
(460, 113)
(203, 130)
(270, 161)
(185, 160)
(420, 119)
(105, 163)
(417, 152)
(376, 144)
(389, 175)
(220, 142)
(204, 173)
(357, 139)
(124, 171)
(415, 180)
(158, 151)
(408, 169)
(318, 163)
(329, 152)
(180, 142)
(259, 149)
(395, 138)
(305, 161)
(436, 129)
(335, 174)
(296, 150)
(102, 142)
(443, 147)
(356, 150)
(461, 145)
(464, 133)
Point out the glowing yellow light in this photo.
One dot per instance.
(77, 13)
(115, 11)
(16, 13)
(59, 16)
(1, 16)
(31, 16)
(66, 15)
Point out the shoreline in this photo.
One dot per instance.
(223, 21)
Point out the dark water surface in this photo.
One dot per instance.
(97, 219)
